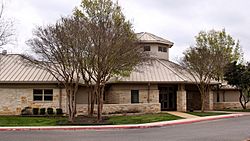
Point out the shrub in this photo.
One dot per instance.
(50, 111)
(59, 111)
(26, 111)
(42, 111)
(35, 111)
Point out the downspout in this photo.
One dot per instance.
(224, 95)
(148, 92)
(60, 97)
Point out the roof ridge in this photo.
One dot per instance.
(141, 34)
(170, 69)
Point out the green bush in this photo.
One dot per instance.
(42, 111)
(50, 111)
(35, 111)
(59, 111)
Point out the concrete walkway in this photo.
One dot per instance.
(130, 126)
(182, 114)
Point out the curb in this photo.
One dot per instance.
(134, 126)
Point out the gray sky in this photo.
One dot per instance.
(176, 20)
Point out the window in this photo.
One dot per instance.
(38, 95)
(43, 94)
(134, 96)
(48, 95)
(147, 48)
(162, 49)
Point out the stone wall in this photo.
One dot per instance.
(181, 101)
(227, 96)
(228, 105)
(121, 93)
(82, 96)
(122, 108)
(14, 99)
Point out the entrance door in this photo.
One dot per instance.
(167, 98)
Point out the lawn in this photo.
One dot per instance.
(114, 120)
(30, 121)
(204, 114)
(137, 119)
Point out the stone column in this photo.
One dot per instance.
(210, 100)
(181, 98)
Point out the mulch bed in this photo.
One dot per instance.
(86, 120)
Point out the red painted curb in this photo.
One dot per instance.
(160, 124)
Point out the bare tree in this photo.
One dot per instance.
(57, 47)
(112, 46)
(6, 29)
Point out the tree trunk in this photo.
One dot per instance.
(89, 100)
(99, 114)
(202, 102)
(202, 91)
(93, 99)
(240, 99)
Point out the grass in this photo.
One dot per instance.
(204, 114)
(30, 121)
(138, 119)
(114, 120)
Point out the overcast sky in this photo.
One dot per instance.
(176, 20)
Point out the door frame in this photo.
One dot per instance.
(168, 97)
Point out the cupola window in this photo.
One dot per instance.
(162, 49)
(147, 48)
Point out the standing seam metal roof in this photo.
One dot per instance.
(13, 69)
(146, 37)
(158, 70)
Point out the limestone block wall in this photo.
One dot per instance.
(82, 109)
(121, 93)
(82, 96)
(14, 99)
(181, 101)
(227, 96)
(228, 105)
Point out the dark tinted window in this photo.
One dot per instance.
(37, 95)
(48, 95)
(147, 48)
(134, 96)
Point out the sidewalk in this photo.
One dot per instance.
(130, 126)
(182, 114)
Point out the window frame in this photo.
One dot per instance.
(46, 96)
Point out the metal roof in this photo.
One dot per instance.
(146, 37)
(14, 69)
(157, 70)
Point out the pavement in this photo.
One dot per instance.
(183, 115)
(188, 119)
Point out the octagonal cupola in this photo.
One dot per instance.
(154, 45)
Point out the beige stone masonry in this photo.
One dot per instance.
(181, 99)
(82, 109)
(13, 100)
